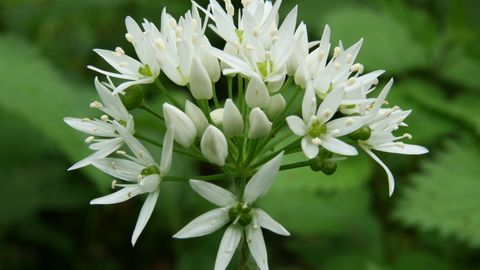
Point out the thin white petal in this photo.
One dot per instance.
(122, 195)
(213, 193)
(137, 148)
(166, 161)
(309, 149)
(337, 146)
(405, 149)
(145, 214)
(228, 245)
(331, 103)
(265, 221)
(204, 224)
(256, 244)
(119, 168)
(101, 153)
(391, 180)
(297, 125)
(262, 180)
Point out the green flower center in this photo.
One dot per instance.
(239, 35)
(150, 170)
(145, 71)
(317, 129)
(241, 214)
(265, 67)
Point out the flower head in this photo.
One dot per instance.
(245, 219)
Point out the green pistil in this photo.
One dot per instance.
(241, 214)
(150, 170)
(317, 129)
(239, 35)
(262, 67)
(145, 71)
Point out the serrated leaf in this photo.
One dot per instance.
(35, 91)
(446, 196)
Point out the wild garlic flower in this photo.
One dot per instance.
(144, 71)
(316, 127)
(244, 218)
(141, 170)
(102, 131)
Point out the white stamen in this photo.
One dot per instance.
(223, 209)
(140, 154)
(160, 44)
(385, 103)
(129, 194)
(129, 37)
(120, 51)
(349, 122)
(336, 52)
(327, 113)
(194, 23)
(357, 67)
(230, 10)
(249, 240)
(274, 39)
(84, 120)
(213, 222)
(351, 81)
(113, 165)
(400, 119)
(388, 112)
(136, 43)
(228, 251)
(123, 64)
(394, 127)
(104, 118)
(173, 23)
(336, 65)
(256, 227)
(89, 139)
(250, 47)
(114, 183)
(120, 152)
(245, 3)
(273, 32)
(178, 41)
(335, 132)
(313, 102)
(244, 206)
(375, 82)
(313, 119)
(256, 32)
(349, 58)
(194, 39)
(400, 144)
(321, 55)
(96, 105)
(179, 32)
(408, 135)
(268, 55)
(139, 178)
(316, 141)
(395, 108)
(95, 128)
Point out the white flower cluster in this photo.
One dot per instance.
(240, 133)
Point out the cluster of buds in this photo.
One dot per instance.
(242, 133)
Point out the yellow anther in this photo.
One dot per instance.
(89, 139)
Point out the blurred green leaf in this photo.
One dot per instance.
(35, 91)
(446, 196)
(387, 43)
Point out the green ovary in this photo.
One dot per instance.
(317, 129)
(262, 67)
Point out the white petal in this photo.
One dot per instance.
(265, 221)
(119, 168)
(309, 149)
(213, 193)
(137, 148)
(229, 244)
(200, 84)
(256, 244)
(297, 125)
(406, 149)
(145, 213)
(309, 103)
(257, 94)
(233, 121)
(204, 224)
(122, 195)
(391, 181)
(101, 153)
(337, 146)
(331, 103)
(167, 149)
(111, 102)
(92, 127)
(262, 180)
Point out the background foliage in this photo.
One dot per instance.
(343, 221)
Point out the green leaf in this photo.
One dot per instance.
(445, 197)
(35, 91)
(387, 43)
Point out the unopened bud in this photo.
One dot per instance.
(257, 94)
(259, 124)
(276, 106)
(184, 129)
(214, 145)
(232, 120)
(133, 97)
(197, 116)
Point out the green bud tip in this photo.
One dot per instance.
(133, 97)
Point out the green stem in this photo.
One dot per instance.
(166, 93)
(215, 99)
(286, 84)
(295, 165)
(149, 109)
(245, 258)
(204, 178)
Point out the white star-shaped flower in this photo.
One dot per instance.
(142, 170)
(245, 220)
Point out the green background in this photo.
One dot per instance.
(343, 221)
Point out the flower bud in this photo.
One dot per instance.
(133, 97)
(184, 129)
(257, 94)
(276, 106)
(197, 117)
(232, 120)
(200, 84)
(214, 145)
(259, 124)
(217, 116)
